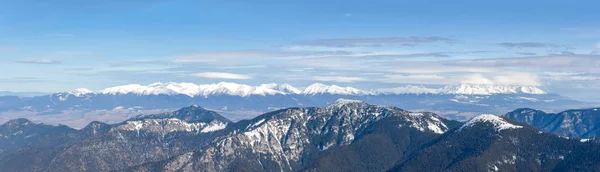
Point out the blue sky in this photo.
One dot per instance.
(66, 44)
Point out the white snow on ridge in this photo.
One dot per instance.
(474, 89)
(318, 88)
(497, 121)
(410, 89)
(214, 126)
(189, 89)
(341, 102)
(80, 91)
(234, 89)
(287, 88)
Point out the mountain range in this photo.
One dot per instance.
(346, 135)
(238, 101)
(579, 123)
(234, 89)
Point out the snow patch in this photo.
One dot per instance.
(497, 121)
(477, 89)
(80, 91)
(216, 126)
(341, 102)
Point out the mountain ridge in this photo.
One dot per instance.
(326, 138)
(229, 88)
(580, 123)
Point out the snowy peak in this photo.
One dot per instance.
(80, 92)
(17, 122)
(476, 89)
(287, 88)
(342, 102)
(498, 122)
(192, 113)
(318, 88)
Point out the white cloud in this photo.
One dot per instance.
(376, 41)
(517, 78)
(413, 79)
(61, 34)
(598, 45)
(569, 76)
(41, 61)
(584, 78)
(505, 78)
(476, 79)
(338, 78)
(221, 75)
(216, 56)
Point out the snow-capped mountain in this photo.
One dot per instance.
(80, 91)
(234, 89)
(290, 139)
(492, 143)
(318, 88)
(410, 89)
(498, 122)
(287, 88)
(474, 89)
(192, 90)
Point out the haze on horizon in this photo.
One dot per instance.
(64, 45)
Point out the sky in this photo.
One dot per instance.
(60, 45)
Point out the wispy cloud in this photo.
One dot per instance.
(521, 45)
(139, 62)
(41, 61)
(79, 69)
(569, 76)
(414, 55)
(60, 34)
(22, 80)
(527, 54)
(345, 79)
(374, 42)
(574, 62)
(225, 57)
(221, 75)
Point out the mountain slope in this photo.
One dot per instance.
(22, 132)
(27, 146)
(491, 143)
(143, 139)
(303, 138)
(102, 147)
(192, 113)
(580, 123)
